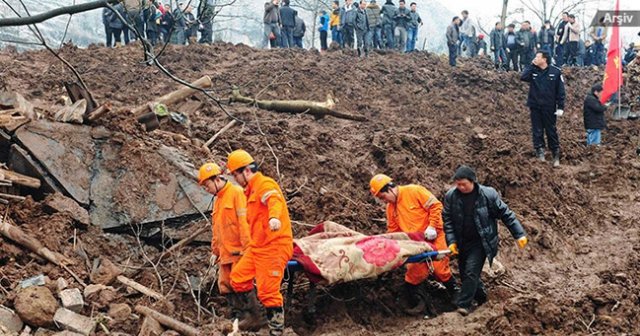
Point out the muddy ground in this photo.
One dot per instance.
(579, 275)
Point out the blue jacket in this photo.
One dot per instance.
(288, 16)
(489, 208)
(324, 22)
(546, 89)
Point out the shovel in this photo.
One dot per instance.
(145, 114)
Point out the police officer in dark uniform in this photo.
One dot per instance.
(546, 102)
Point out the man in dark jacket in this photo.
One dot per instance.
(545, 38)
(498, 44)
(412, 30)
(546, 103)
(470, 215)
(527, 42)
(106, 13)
(388, 23)
(561, 41)
(298, 32)
(288, 17)
(348, 23)
(115, 24)
(594, 115)
(453, 34)
(512, 48)
(362, 29)
(402, 20)
(151, 16)
(205, 16)
(374, 36)
(272, 24)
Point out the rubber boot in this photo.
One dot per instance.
(235, 305)
(481, 295)
(556, 159)
(540, 154)
(452, 288)
(253, 319)
(415, 305)
(275, 316)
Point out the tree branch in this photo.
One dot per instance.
(74, 9)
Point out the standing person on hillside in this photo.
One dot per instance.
(271, 244)
(334, 24)
(526, 44)
(272, 24)
(402, 20)
(413, 208)
(546, 103)
(191, 32)
(482, 45)
(230, 236)
(574, 29)
(298, 32)
(324, 30)
(288, 19)
(348, 23)
(205, 16)
(362, 29)
(166, 24)
(599, 35)
(374, 36)
(115, 24)
(561, 39)
(513, 49)
(388, 13)
(106, 13)
(468, 33)
(151, 16)
(470, 214)
(593, 113)
(545, 38)
(498, 45)
(412, 30)
(452, 40)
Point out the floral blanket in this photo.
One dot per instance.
(333, 253)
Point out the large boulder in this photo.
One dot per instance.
(36, 306)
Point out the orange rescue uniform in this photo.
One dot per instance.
(269, 251)
(416, 209)
(230, 231)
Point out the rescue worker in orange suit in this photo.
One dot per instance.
(413, 208)
(230, 230)
(271, 244)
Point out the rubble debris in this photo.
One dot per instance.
(10, 320)
(60, 203)
(36, 306)
(71, 321)
(140, 288)
(150, 327)
(61, 284)
(167, 321)
(72, 113)
(119, 311)
(72, 299)
(38, 280)
(20, 179)
(104, 272)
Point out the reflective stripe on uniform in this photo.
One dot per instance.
(266, 196)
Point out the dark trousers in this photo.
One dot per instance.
(152, 36)
(573, 53)
(544, 121)
(599, 57)
(206, 35)
(347, 36)
(323, 40)
(389, 37)
(115, 34)
(526, 56)
(470, 261)
(286, 38)
(125, 34)
(297, 42)
(453, 54)
(512, 59)
(559, 55)
(107, 32)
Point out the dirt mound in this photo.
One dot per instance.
(424, 119)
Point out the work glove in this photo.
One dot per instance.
(522, 242)
(559, 112)
(493, 49)
(274, 224)
(454, 249)
(508, 50)
(430, 233)
(213, 259)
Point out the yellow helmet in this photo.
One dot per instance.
(378, 182)
(207, 171)
(237, 159)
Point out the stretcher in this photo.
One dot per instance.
(293, 267)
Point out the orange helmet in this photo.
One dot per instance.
(207, 171)
(378, 182)
(237, 159)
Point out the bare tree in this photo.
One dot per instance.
(552, 9)
(503, 16)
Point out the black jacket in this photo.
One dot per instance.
(288, 16)
(546, 89)
(594, 113)
(489, 208)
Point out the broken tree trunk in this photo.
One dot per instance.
(316, 109)
(167, 321)
(140, 288)
(184, 242)
(20, 179)
(15, 234)
(220, 132)
(175, 96)
(99, 112)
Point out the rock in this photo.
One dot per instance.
(26, 331)
(38, 280)
(170, 333)
(495, 271)
(10, 320)
(119, 311)
(36, 306)
(150, 327)
(105, 273)
(72, 299)
(43, 332)
(67, 333)
(100, 295)
(61, 284)
(6, 332)
(60, 203)
(74, 322)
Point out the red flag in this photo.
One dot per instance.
(613, 71)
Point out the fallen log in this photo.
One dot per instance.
(20, 179)
(99, 112)
(316, 109)
(167, 321)
(12, 197)
(219, 133)
(16, 235)
(175, 96)
(177, 246)
(140, 288)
